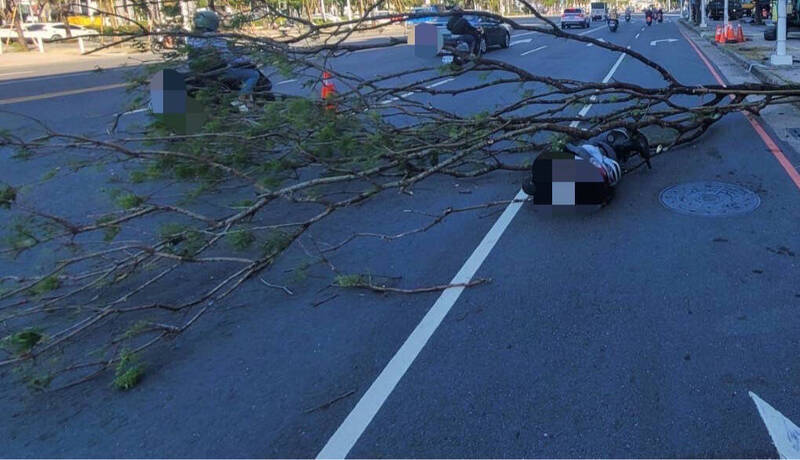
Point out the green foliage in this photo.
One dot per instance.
(276, 242)
(558, 142)
(45, 285)
(354, 280)
(135, 329)
(181, 239)
(126, 200)
(129, 371)
(240, 239)
(8, 195)
(20, 236)
(22, 342)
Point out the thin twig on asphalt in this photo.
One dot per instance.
(329, 403)
(276, 286)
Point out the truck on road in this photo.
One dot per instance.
(599, 11)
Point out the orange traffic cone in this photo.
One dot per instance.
(739, 33)
(730, 35)
(719, 36)
(328, 89)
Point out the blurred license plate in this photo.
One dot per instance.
(447, 59)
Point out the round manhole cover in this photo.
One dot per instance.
(709, 199)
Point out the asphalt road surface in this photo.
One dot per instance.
(632, 332)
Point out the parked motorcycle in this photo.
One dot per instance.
(595, 172)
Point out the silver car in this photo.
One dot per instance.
(574, 17)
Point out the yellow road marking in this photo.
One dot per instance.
(17, 100)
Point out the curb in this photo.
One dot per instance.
(755, 69)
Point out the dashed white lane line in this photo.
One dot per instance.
(347, 434)
(439, 83)
(637, 35)
(534, 50)
(524, 34)
(353, 426)
(590, 44)
(433, 85)
(286, 81)
(517, 42)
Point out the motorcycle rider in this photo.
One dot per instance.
(207, 52)
(648, 15)
(458, 25)
(660, 14)
(628, 13)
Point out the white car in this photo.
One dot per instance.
(47, 31)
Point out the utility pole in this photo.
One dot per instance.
(703, 13)
(725, 16)
(780, 57)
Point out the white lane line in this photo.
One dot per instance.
(614, 69)
(517, 42)
(15, 73)
(534, 50)
(134, 111)
(286, 81)
(526, 33)
(637, 35)
(353, 426)
(591, 30)
(784, 432)
(28, 80)
(350, 430)
(433, 85)
(590, 44)
(601, 40)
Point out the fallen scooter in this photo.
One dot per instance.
(587, 173)
(215, 79)
(456, 49)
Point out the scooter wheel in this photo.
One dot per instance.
(528, 187)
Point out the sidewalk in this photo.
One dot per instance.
(754, 53)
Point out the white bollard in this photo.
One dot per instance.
(780, 57)
(80, 45)
(725, 18)
(40, 44)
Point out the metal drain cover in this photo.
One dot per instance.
(709, 199)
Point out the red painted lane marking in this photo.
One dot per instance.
(762, 133)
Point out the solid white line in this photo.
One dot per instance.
(286, 81)
(407, 94)
(614, 69)
(135, 111)
(517, 42)
(784, 432)
(353, 426)
(522, 35)
(534, 50)
(28, 80)
(345, 437)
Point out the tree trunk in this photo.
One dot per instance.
(18, 27)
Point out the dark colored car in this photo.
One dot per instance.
(495, 33)
(715, 9)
